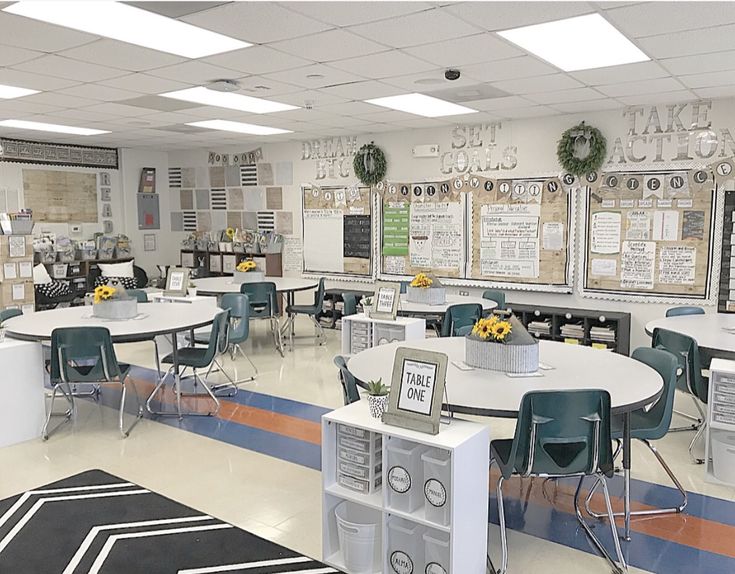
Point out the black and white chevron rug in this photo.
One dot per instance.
(97, 523)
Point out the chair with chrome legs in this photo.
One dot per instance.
(459, 319)
(195, 358)
(238, 304)
(312, 311)
(651, 424)
(689, 377)
(142, 297)
(85, 356)
(560, 434)
(264, 305)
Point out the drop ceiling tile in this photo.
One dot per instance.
(536, 85)
(363, 90)
(301, 115)
(688, 43)
(19, 106)
(718, 92)
(329, 46)
(145, 84)
(430, 81)
(347, 109)
(672, 97)
(502, 103)
(34, 35)
(11, 55)
(328, 76)
(641, 87)
(505, 15)
(474, 49)
(164, 118)
(194, 72)
(564, 96)
(256, 22)
(344, 121)
(57, 66)
(701, 63)
(709, 80)
(257, 60)
(523, 67)
(121, 55)
(21, 79)
(117, 109)
(590, 106)
(624, 73)
(315, 98)
(86, 115)
(416, 29)
(420, 123)
(262, 87)
(59, 100)
(350, 13)
(530, 112)
(383, 115)
(654, 18)
(380, 128)
(99, 92)
(383, 65)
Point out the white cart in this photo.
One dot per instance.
(360, 332)
(438, 539)
(720, 453)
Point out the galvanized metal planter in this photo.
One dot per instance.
(518, 355)
(426, 295)
(248, 277)
(116, 309)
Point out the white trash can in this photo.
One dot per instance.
(436, 552)
(358, 531)
(437, 485)
(405, 547)
(723, 455)
(405, 475)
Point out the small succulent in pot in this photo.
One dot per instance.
(377, 398)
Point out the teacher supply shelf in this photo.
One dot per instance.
(602, 329)
(360, 332)
(224, 262)
(456, 486)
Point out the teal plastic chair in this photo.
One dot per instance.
(312, 311)
(684, 310)
(689, 377)
(86, 356)
(263, 299)
(652, 424)
(138, 294)
(560, 434)
(349, 301)
(348, 381)
(196, 358)
(495, 295)
(459, 319)
(6, 314)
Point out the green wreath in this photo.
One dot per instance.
(369, 164)
(581, 149)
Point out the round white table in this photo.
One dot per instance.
(631, 384)
(409, 308)
(224, 284)
(714, 332)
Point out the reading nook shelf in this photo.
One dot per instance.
(224, 263)
(77, 272)
(601, 329)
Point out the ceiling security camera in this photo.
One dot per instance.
(452, 74)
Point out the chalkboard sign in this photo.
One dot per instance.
(357, 236)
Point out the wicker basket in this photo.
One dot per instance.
(248, 277)
(518, 355)
(116, 309)
(426, 296)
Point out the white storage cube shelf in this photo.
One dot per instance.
(421, 485)
(720, 446)
(360, 332)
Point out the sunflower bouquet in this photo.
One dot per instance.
(104, 293)
(492, 329)
(245, 266)
(422, 281)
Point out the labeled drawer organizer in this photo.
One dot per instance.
(720, 446)
(360, 332)
(415, 509)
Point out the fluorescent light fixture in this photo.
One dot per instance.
(129, 24)
(42, 127)
(421, 105)
(578, 43)
(239, 127)
(10, 92)
(229, 100)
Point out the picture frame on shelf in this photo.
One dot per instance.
(177, 282)
(385, 301)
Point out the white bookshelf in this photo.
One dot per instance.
(360, 332)
(467, 444)
(720, 443)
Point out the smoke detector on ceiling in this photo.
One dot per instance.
(224, 85)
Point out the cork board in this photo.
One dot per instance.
(651, 234)
(520, 231)
(337, 230)
(60, 196)
(423, 229)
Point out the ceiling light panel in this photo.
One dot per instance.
(11, 92)
(580, 43)
(239, 127)
(232, 101)
(129, 24)
(56, 128)
(421, 105)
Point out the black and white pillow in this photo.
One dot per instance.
(54, 289)
(127, 282)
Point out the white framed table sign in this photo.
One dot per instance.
(386, 299)
(177, 282)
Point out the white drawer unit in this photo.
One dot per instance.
(360, 332)
(720, 453)
(422, 515)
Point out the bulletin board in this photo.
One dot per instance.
(337, 230)
(650, 234)
(520, 231)
(423, 229)
(61, 196)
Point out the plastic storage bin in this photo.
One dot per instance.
(359, 459)
(359, 535)
(405, 547)
(437, 485)
(385, 334)
(436, 552)
(405, 475)
(723, 455)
